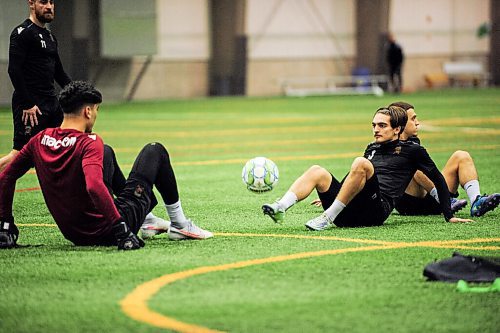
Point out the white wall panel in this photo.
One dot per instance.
(429, 27)
(183, 29)
(300, 28)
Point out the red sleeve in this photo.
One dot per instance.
(8, 178)
(99, 193)
(92, 170)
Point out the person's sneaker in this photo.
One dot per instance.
(274, 211)
(457, 204)
(319, 223)
(484, 203)
(153, 225)
(189, 231)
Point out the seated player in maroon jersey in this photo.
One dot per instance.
(69, 165)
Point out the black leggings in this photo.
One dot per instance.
(151, 167)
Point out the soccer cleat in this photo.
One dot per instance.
(319, 223)
(153, 226)
(274, 211)
(457, 204)
(189, 231)
(484, 203)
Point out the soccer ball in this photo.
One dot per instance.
(260, 174)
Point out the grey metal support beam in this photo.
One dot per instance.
(372, 26)
(495, 43)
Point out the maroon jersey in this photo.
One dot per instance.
(69, 166)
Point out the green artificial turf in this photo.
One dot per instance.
(53, 286)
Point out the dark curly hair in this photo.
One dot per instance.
(405, 106)
(77, 94)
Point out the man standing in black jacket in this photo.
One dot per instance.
(34, 65)
(395, 58)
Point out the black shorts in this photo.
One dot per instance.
(51, 116)
(410, 205)
(367, 209)
(134, 202)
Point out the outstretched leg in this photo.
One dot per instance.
(315, 177)
(153, 165)
(361, 171)
(460, 170)
(115, 182)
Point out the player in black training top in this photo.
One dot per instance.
(34, 65)
(420, 197)
(367, 195)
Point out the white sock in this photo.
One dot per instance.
(335, 209)
(175, 213)
(434, 194)
(472, 189)
(288, 200)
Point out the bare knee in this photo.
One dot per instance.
(461, 155)
(362, 165)
(317, 172)
(319, 177)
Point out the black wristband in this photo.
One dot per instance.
(121, 229)
(6, 225)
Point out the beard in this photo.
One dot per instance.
(45, 18)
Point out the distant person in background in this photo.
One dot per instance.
(395, 59)
(34, 65)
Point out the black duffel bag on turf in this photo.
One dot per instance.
(461, 267)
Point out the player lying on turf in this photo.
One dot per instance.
(420, 197)
(366, 196)
(69, 166)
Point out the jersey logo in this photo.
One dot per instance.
(19, 30)
(92, 136)
(56, 144)
(397, 150)
(42, 41)
(371, 155)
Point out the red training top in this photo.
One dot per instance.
(69, 166)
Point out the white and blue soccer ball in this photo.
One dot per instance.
(260, 174)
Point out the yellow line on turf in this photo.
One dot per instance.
(36, 224)
(135, 303)
(461, 241)
(342, 239)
